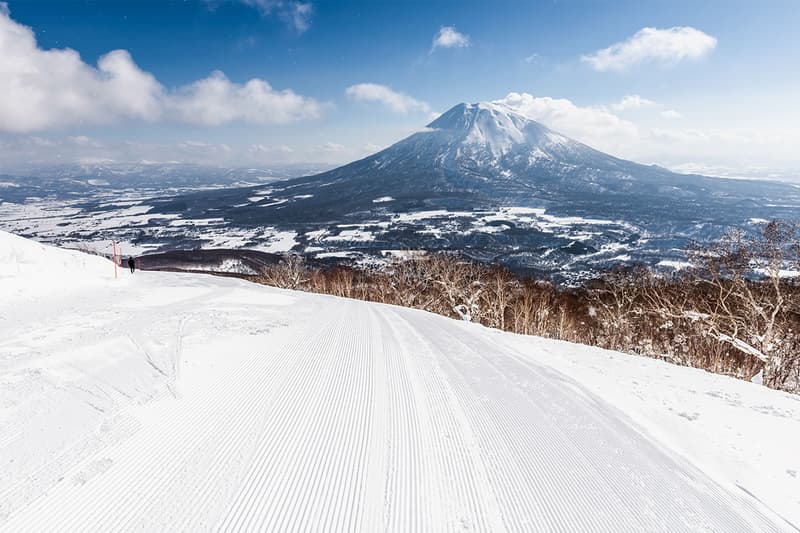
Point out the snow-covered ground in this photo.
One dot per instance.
(161, 401)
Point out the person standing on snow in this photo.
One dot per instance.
(132, 264)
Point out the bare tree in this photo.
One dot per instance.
(751, 306)
(615, 304)
(501, 289)
(289, 273)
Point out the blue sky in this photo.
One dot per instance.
(711, 85)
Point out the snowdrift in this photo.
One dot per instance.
(179, 402)
(26, 266)
(22, 258)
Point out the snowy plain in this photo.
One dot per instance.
(187, 402)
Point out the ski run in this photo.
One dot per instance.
(178, 402)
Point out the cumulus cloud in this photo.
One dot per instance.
(653, 45)
(449, 37)
(632, 101)
(216, 100)
(600, 128)
(45, 89)
(593, 125)
(394, 100)
(50, 88)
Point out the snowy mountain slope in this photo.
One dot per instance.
(458, 185)
(186, 402)
(487, 155)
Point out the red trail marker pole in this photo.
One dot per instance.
(115, 259)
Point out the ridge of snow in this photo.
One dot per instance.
(27, 267)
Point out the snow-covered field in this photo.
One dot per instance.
(136, 227)
(162, 401)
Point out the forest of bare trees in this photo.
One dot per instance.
(735, 311)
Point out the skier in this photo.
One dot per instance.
(132, 264)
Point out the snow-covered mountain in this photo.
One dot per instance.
(483, 135)
(481, 179)
(499, 143)
(485, 180)
(179, 402)
(487, 155)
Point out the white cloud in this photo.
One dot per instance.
(83, 140)
(593, 125)
(50, 88)
(644, 142)
(331, 147)
(298, 14)
(533, 58)
(266, 149)
(396, 101)
(45, 89)
(733, 147)
(632, 101)
(449, 37)
(295, 14)
(653, 45)
(670, 113)
(216, 100)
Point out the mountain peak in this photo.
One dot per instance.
(464, 115)
(495, 127)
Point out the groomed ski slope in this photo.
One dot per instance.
(174, 402)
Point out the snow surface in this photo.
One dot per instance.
(282, 241)
(230, 265)
(186, 402)
(677, 265)
(354, 235)
(487, 131)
